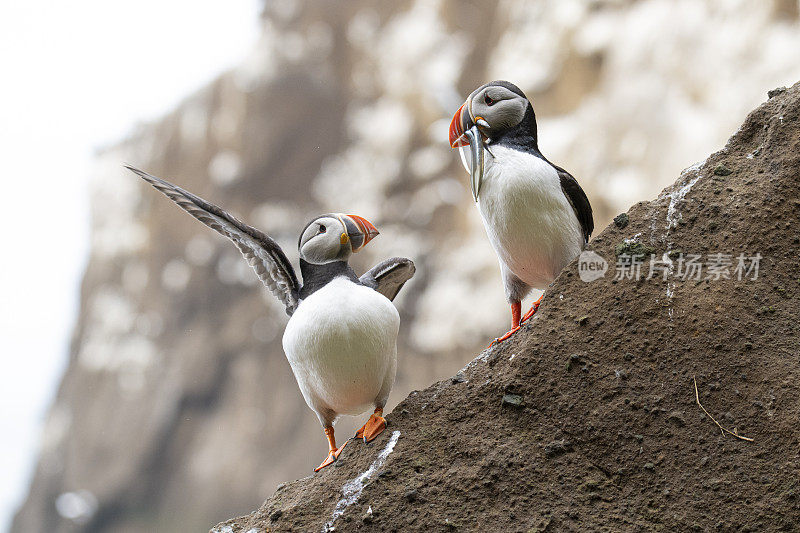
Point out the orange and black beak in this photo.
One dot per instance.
(465, 132)
(458, 127)
(359, 230)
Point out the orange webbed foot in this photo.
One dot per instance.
(334, 452)
(374, 426)
(328, 461)
(333, 455)
(498, 340)
(532, 310)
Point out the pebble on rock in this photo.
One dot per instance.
(514, 400)
(722, 170)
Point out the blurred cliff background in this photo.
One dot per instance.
(177, 408)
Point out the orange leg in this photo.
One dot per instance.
(333, 454)
(374, 426)
(516, 309)
(533, 309)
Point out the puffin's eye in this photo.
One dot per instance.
(488, 99)
(322, 229)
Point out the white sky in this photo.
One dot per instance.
(76, 76)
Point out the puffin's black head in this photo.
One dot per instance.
(334, 237)
(500, 110)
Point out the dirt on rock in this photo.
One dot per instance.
(587, 419)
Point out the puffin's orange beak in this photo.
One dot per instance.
(368, 231)
(457, 138)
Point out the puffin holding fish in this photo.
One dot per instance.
(536, 216)
(341, 339)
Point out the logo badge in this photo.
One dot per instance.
(591, 266)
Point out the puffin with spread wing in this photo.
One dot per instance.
(341, 339)
(536, 215)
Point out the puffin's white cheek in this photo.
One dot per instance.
(313, 252)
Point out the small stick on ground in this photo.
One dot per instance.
(697, 397)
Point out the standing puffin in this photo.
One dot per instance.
(537, 217)
(341, 339)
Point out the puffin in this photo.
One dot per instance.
(535, 213)
(341, 338)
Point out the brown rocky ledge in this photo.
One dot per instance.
(587, 419)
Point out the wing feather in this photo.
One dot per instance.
(389, 276)
(577, 198)
(261, 252)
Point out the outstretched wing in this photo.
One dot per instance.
(261, 252)
(577, 198)
(388, 277)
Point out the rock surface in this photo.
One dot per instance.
(589, 449)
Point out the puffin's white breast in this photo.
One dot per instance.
(341, 343)
(527, 217)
